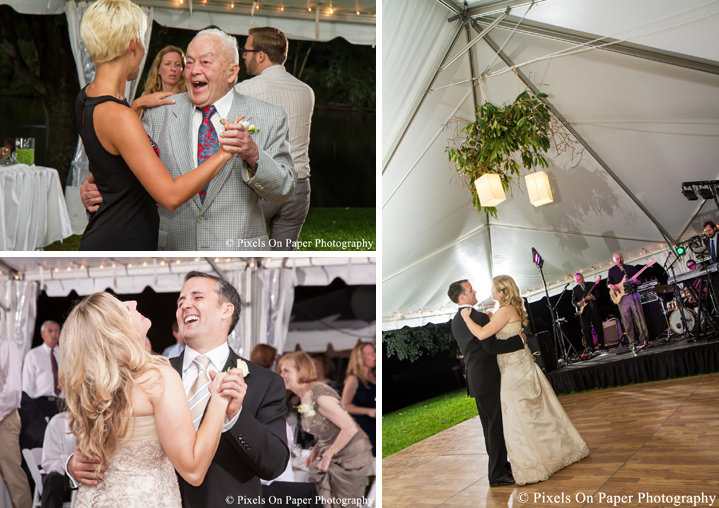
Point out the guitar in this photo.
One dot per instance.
(584, 302)
(617, 295)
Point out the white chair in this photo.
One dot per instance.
(33, 457)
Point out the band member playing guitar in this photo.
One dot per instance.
(623, 281)
(585, 299)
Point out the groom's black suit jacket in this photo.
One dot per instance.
(255, 447)
(480, 356)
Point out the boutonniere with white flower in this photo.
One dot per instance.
(247, 125)
(242, 366)
(306, 409)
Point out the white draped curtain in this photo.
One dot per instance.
(79, 170)
(267, 297)
(18, 300)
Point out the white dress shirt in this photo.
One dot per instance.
(191, 369)
(37, 378)
(280, 88)
(173, 351)
(58, 445)
(222, 106)
(10, 378)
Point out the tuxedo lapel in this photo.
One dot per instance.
(176, 363)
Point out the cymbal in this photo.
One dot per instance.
(663, 289)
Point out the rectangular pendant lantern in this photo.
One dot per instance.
(540, 193)
(489, 189)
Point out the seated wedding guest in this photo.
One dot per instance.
(123, 161)
(39, 373)
(325, 368)
(359, 395)
(285, 491)
(10, 458)
(263, 354)
(57, 447)
(177, 348)
(167, 72)
(341, 462)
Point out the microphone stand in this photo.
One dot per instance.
(560, 339)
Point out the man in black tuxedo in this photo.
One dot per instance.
(254, 440)
(483, 378)
(590, 311)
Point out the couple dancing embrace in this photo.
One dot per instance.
(516, 403)
(138, 418)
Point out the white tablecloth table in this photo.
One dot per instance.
(33, 213)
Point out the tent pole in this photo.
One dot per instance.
(508, 61)
(536, 29)
(473, 71)
(422, 95)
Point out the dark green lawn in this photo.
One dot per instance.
(325, 229)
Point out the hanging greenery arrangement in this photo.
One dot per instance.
(501, 141)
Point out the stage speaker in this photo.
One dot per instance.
(611, 332)
(542, 348)
(654, 316)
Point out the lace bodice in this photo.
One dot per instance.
(138, 472)
(509, 330)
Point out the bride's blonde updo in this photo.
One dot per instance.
(510, 295)
(101, 361)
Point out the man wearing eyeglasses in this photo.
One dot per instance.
(265, 53)
(226, 215)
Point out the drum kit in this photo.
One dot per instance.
(688, 309)
(674, 309)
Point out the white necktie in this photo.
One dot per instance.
(199, 394)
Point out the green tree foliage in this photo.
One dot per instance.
(500, 139)
(411, 343)
(39, 53)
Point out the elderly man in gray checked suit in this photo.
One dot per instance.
(227, 214)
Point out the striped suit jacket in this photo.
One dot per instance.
(230, 217)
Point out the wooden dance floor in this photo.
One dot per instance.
(655, 442)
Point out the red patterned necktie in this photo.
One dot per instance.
(53, 362)
(207, 141)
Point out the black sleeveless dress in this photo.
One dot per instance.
(366, 396)
(127, 218)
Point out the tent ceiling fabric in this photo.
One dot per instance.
(653, 123)
(295, 20)
(60, 276)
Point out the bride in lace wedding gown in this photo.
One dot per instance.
(539, 435)
(129, 411)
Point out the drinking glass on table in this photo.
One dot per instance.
(25, 150)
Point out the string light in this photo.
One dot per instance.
(69, 269)
(82, 267)
(232, 5)
(177, 262)
(217, 260)
(257, 6)
(113, 265)
(144, 263)
(162, 263)
(129, 265)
